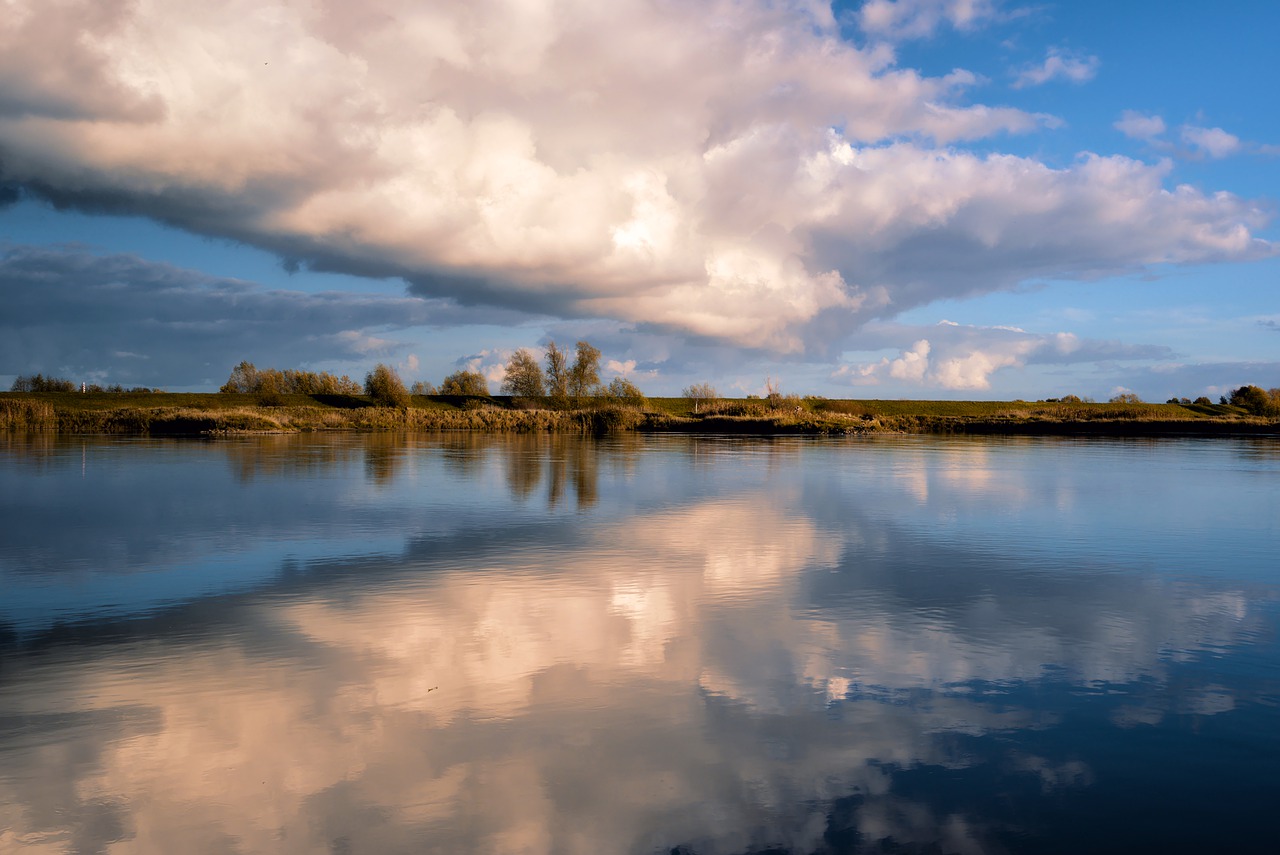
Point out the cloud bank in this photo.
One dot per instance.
(123, 319)
(958, 357)
(732, 170)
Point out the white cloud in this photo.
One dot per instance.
(1215, 142)
(910, 19)
(410, 366)
(1138, 126)
(675, 167)
(959, 357)
(621, 368)
(492, 364)
(910, 365)
(1059, 65)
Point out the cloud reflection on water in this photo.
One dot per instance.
(720, 671)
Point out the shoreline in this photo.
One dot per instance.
(212, 415)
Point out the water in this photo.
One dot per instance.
(488, 644)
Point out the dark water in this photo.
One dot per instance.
(550, 645)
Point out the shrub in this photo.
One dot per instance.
(623, 390)
(465, 382)
(269, 393)
(384, 386)
(1255, 401)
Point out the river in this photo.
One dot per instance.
(481, 643)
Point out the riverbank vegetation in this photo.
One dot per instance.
(570, 397)
(161, 413)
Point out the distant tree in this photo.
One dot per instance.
(584, 374)
(1071, 399)
(384, 386)
(343, 385)
(40, 383)
(243, 379)
(1125, 398)
(420, 388)
(622, 389)
(700, 393)
(557, 373)
(1202, 400)
(270, 389)
(773, 393)
(465, 382)
(1255, 401)
(247, 379)
(524, 376)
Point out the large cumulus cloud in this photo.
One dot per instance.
(735, 170)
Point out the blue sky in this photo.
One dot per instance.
(915, 199)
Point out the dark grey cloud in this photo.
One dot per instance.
(124, 319)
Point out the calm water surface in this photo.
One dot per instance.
(374, 644)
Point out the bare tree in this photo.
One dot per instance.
(557, 373)
(524, 376)
(243, 379)
(700, 393)
(584, 375)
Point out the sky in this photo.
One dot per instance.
(930, 199)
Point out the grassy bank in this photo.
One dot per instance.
(211, 414)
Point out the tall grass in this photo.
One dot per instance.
(17, 414)
(197, 414)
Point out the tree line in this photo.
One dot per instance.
(40, 383)
(560, 383)
(556, 381)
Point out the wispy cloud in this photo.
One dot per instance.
(1214, 142)
(1059, 65)
(1139, 126)
(912, 19)
(1197, 142)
